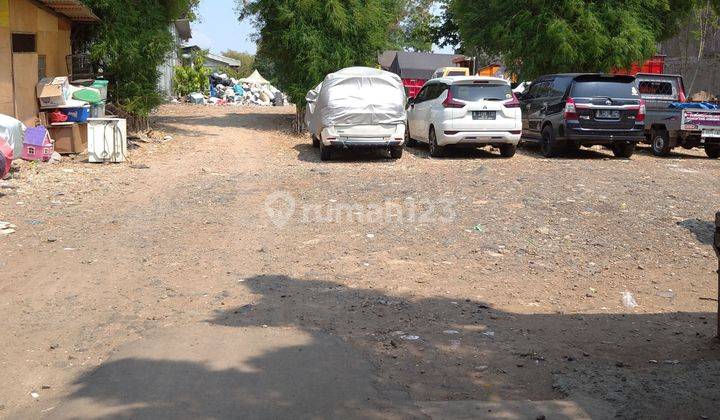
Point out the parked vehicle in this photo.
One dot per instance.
(469, 111)
(670, 122)
(566, 111)
(450, 72)
(357, 107)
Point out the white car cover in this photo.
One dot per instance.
(356, 96)
(13, 131)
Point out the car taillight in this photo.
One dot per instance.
(449, 102)
(570, 110)
(512, 103)
(641, 111)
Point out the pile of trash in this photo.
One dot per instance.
(250, 91)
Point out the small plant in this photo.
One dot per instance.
(192, 78)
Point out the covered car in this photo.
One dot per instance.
(357, 107)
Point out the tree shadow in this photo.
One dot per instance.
(676, 153)
(421, 150)
(580, 154)
(182, 125)
(704, 231)
(308, 153)
(413, 349)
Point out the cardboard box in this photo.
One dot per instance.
(69, 138)
(53, 91)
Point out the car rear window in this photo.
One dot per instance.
(478, 91)
(611, 87)
(457, 73)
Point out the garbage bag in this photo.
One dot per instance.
(13, 131)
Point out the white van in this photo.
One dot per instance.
(474, 111)
(357, 107)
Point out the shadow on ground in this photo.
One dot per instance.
(252, 121)
(703, 230)
(313, 348)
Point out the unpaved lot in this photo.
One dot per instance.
(230, 273)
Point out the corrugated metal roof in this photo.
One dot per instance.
(74, 10)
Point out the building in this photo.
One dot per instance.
(682, 58)
(415, 68)
(181, 32)
(34, 43)
(213, 61)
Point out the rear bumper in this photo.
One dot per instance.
(601, 137)
(477, 138)
(351, 143)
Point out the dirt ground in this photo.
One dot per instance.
(363, 287)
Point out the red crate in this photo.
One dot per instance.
(413, 86)
(655, 65)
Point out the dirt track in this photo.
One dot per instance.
(469, 278)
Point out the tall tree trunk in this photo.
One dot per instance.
(298, 125)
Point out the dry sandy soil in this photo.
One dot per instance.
(460, 287)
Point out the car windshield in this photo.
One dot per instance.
(609, 88)
(480, 91)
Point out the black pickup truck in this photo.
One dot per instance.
(667, 127)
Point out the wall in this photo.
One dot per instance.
(53, 41)
(167, 69)
(682, 58)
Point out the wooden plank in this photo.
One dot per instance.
(25, 78)
(6, 88)
(23, 16)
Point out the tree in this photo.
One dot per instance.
(130, 42)
(708, 21)
(247, 60)
(414, 31)
(546, 36)
(304, 40)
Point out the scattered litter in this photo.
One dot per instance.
(669, 294)
(544, 230)
(69, 249)
(628, 300)
(370, 235)
(489, 333)
(410, 337)
(451, 332)
(35, 395)
(139, 166)
(672, 362)
(7, 228)
(455, 344)
(479, 228)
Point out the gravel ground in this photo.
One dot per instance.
(470, 277)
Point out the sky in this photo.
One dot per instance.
(219, 29)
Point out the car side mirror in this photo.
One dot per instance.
(411, 101)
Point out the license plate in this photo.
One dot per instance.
(711, 133)
(607, 114)
(484, 115)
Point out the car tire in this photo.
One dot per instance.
(660, 143)
(508, 150)
(325, 152)
(396, 152)
(572, 147)
(315, 141)
(713, 152)
(623, 150)
(409, 141)
(548, 144)
(435, 150)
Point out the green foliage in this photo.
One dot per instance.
(130, 42)
(415, 31)
(247, 60)
(300, 41)
(545, 36)
(192, 78)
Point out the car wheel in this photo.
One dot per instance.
(661, 143)
(435, 150)
(315, 141)
(548, 144)
(409, 141)
(396, 152)
(713, 152)
(623, 150)
(508, 150)
(325, 152)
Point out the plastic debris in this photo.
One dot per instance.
(628, 300)
(35, 395)
(489, 333)
(7, 228)
(410, 337)
(451, 332)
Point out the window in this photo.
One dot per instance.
(560, 86)
(23, 43)
(656, 88)
(46, 151)
(487, 91)
(421, 96)
(42, 67)
(435, 91)
(31, 151)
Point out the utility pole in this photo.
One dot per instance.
(716, 245)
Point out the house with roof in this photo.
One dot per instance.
(181, 33)
(34, 44)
